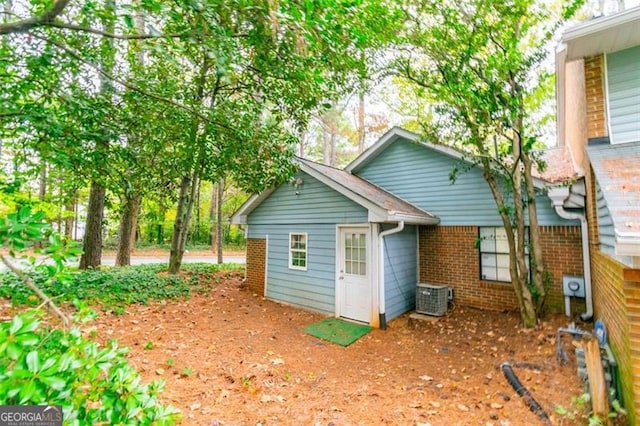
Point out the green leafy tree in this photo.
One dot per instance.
(480, 62)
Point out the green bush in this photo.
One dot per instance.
(112, 287)
(93, 385)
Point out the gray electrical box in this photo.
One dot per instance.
(573, 286)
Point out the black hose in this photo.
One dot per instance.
(524, 393)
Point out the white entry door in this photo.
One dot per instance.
(354, 283)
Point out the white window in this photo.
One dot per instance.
(355, 253)
(298, 251)
(494, 254)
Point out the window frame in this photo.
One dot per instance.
(497, 254)
(293, 250)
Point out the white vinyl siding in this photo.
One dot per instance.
(623, 90)
(298, 251)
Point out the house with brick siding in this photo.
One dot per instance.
(355, 243)
(598, 91)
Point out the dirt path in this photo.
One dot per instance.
(232, 358)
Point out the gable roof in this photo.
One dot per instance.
(616, 170)
(559, 167)
(603, 35)
(382, 206)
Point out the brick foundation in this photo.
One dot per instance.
(256, 264)
(448, 256)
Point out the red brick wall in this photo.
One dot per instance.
(610, 300)
(448, 256)
(632, 299)
(594, 88)
(256, 264)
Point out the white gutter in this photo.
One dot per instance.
(558, 196)
(381, 298)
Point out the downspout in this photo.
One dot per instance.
(558, 196)
(381, 298)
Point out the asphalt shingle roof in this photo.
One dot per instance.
(617, 169)
(366, 189)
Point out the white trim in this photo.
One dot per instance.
(306, 252)
(603, 35)
(266, 263)
(337, 262)
(240, 216)
(604, 23)
(627, 243)
(371, 274)
(376, 298)
(607, 108)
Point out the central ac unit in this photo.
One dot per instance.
(432, 299)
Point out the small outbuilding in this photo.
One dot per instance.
(356, 243)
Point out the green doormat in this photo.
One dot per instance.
(337, 331)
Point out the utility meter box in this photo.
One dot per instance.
(573, 286)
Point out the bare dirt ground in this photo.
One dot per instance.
(230, 357)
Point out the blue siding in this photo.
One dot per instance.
(420, 175)
(606, 230)
(315, 203)
(315, 210)
(623, 83)
(400, 271)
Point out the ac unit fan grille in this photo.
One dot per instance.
(432, 299)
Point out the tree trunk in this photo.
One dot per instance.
(175, 256)
(42, 190)
(196, 236)
(127, 229)
(187, 186)
(92, 241)
(334, 147)
(42, 193)
(195, 182)
(219, 231)
(361, 130)
(212, 217)
(326, 146)
(70, 215)
(301, 144)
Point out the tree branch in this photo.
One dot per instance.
(67, 26)
(26, 24)
(29, 283)
(130, 86)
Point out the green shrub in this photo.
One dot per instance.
(112, 287)
(93, 385)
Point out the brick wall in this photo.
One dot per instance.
(610, 305)
(256, 262)
(632, 299)
(448, 256)
(594, 89)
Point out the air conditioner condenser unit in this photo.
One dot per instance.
(432, 299)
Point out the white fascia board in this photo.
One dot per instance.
(603, 35)
(627, 243)
(604, 23)
(411, 219)
(240, 216)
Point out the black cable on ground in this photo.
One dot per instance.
(524, 393)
